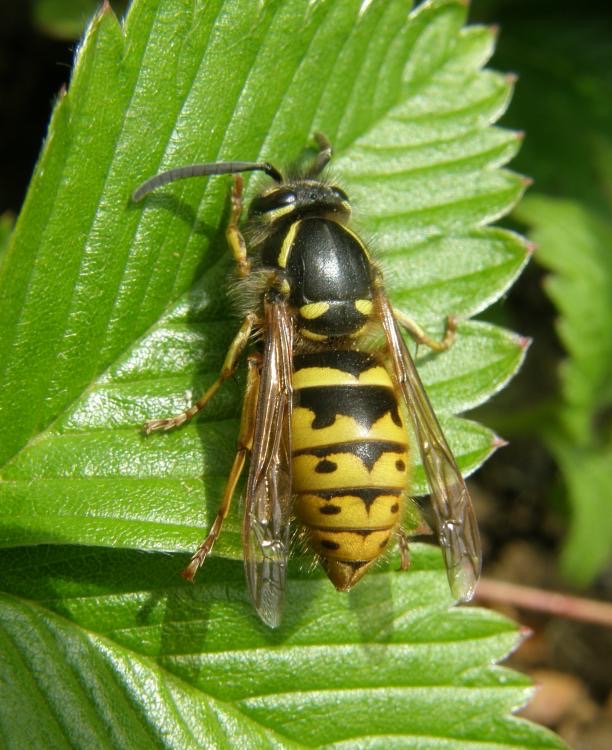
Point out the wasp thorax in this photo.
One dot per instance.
(330, 277)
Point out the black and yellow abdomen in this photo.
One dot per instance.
(350, 459)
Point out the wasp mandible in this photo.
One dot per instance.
(322, 421)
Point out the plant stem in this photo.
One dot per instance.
(562, 605)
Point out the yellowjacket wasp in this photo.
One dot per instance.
(322, 418)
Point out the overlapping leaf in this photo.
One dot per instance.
(125, 657)
(574, 243)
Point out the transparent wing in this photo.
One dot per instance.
(457, 525)
(265, 531)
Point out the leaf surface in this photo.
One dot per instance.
(109, 649)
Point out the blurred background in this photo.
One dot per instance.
(544, 501)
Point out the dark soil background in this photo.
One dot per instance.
(33, 67)
(519, 494)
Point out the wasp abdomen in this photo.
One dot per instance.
(350, 459)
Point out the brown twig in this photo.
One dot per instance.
(562, 605)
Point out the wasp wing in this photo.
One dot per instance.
(457, 525)
(265, 531)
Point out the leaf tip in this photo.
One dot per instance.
(498, 442)
(531, 246)
(494, 30)
(511, 78)
(523, 342)
(519, 135)
(524, 633)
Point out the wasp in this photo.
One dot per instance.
(324, 408)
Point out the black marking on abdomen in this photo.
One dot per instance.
(326, 467)
(345, 360)
(330, 510)
(367, 495)
(329, 544)
(366, 404)
(367, 451)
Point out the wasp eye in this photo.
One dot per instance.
(339, 193)
(273, 201)
(285, 197)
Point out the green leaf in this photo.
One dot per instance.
(118, 654)
(586, 473)
(468, 270)
(574, 243)
(112, 313)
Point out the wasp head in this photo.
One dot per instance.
(299, 199)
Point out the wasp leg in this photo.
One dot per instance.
(245, 441)
(402, 539)
(419, 335)
(233, 235)
(229, 368)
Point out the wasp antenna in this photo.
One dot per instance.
(199, 170)
(323, 157)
